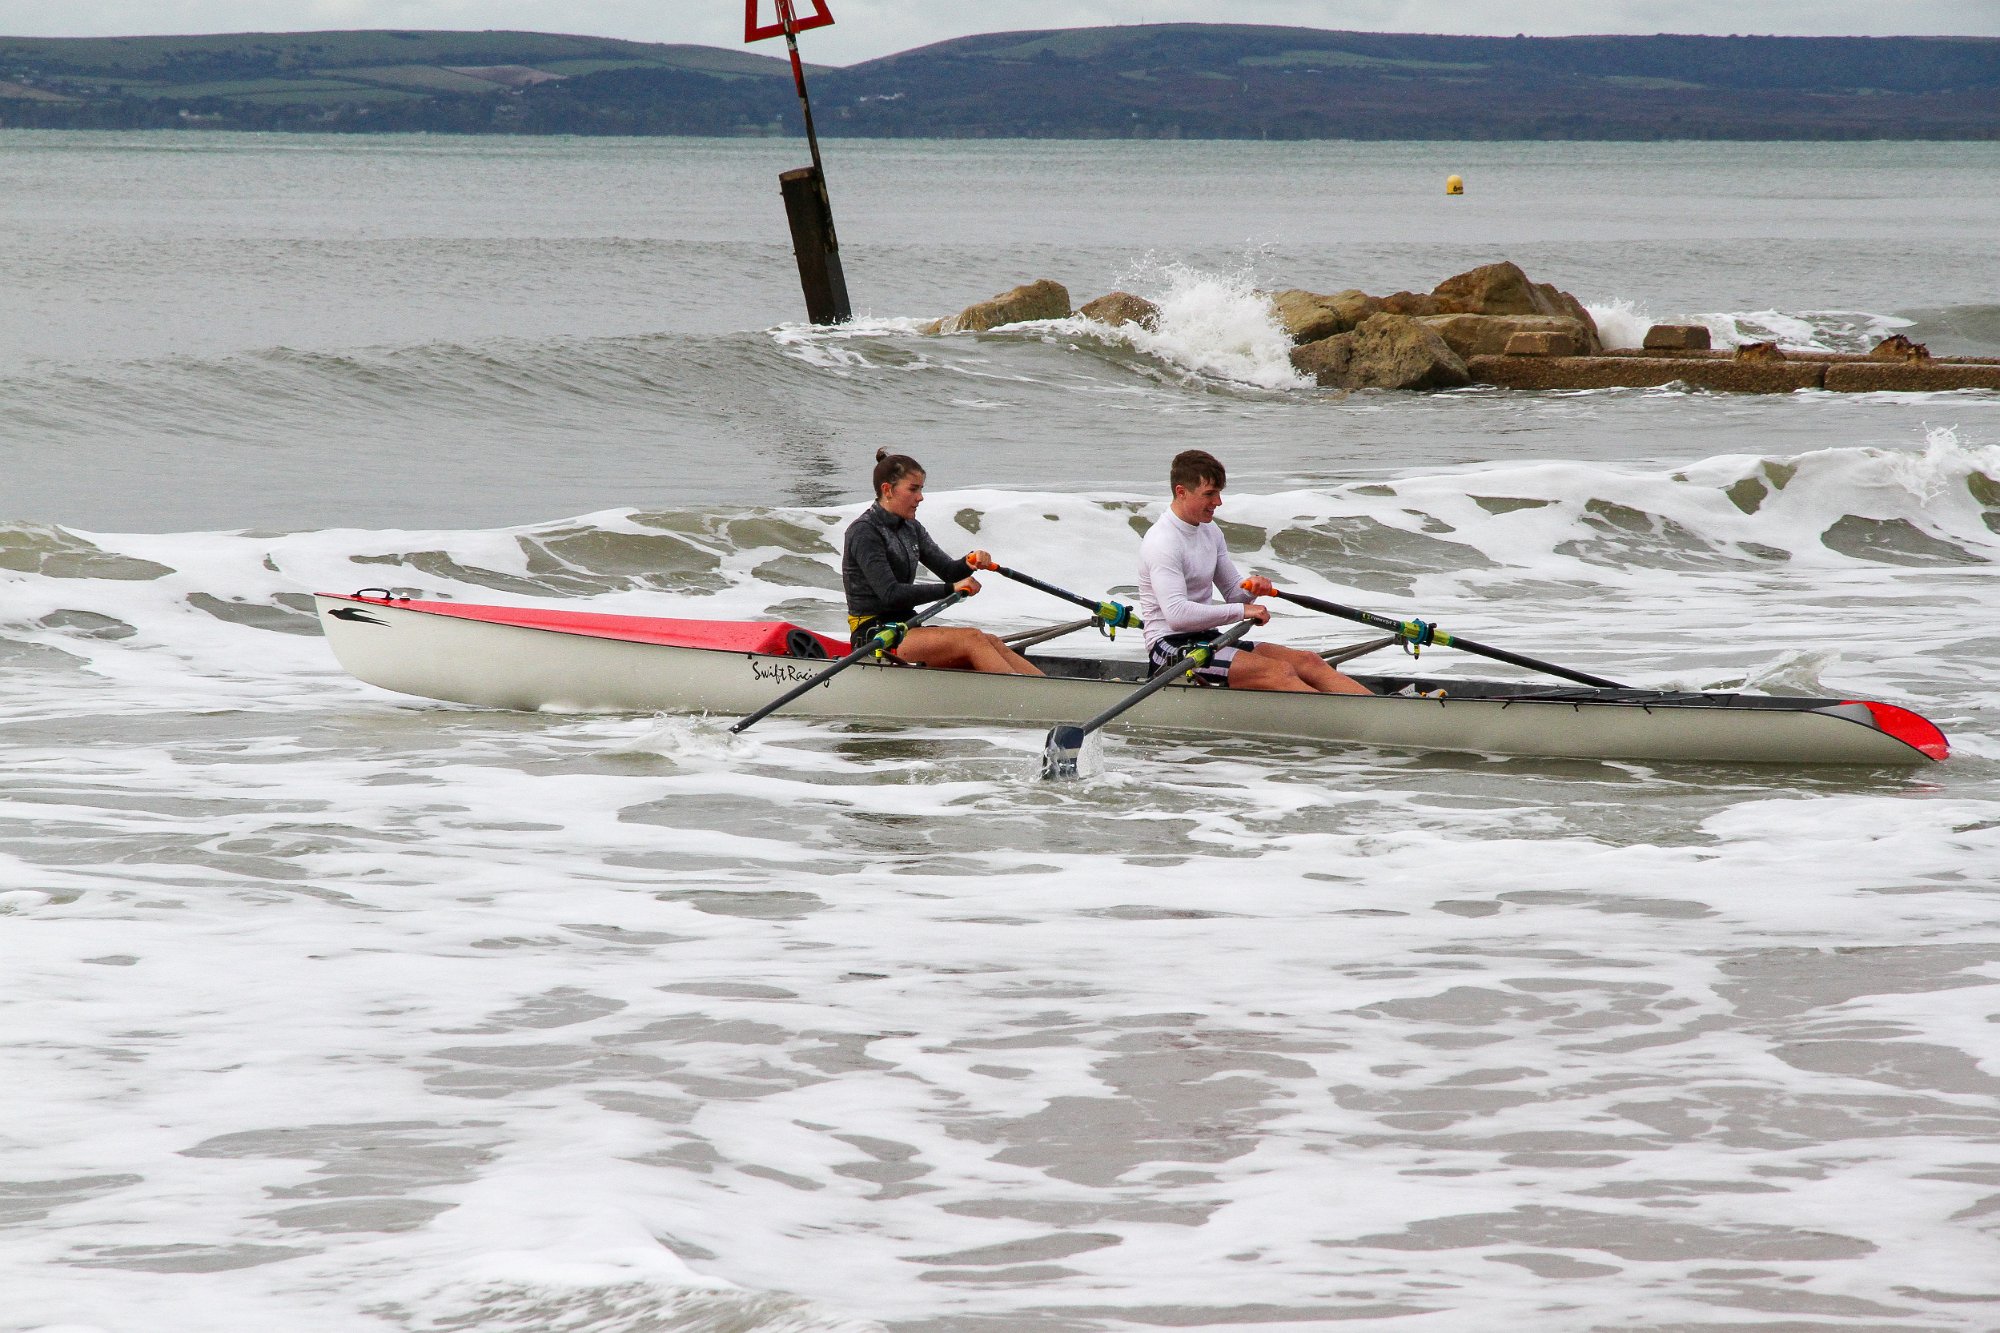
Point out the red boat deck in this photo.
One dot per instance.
(729, 636)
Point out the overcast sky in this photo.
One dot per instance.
(868, 28)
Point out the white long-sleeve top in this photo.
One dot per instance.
(1181, 566)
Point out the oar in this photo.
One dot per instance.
(1028, 638)
(1064, 745)
(1114, 615)
(1335, 656)
(884, 640)
(1421, 633)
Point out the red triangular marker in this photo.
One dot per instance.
(753, 31)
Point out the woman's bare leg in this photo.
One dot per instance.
(963, 649)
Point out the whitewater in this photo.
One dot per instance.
(330, 1009)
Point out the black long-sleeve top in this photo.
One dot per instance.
(878, 566)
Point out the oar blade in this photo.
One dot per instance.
(1062, 753)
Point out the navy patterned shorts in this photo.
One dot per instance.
(1217, 670)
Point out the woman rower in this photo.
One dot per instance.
(878, 568)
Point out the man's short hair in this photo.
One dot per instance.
(1192, 467)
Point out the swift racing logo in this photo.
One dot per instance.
(784, 673)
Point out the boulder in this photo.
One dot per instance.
(1325, 361)
(1494, 289)
(1413, 303)
(1308, 316)
(1545, 343)
(1041, 299)
(1503, 289)
(1385, 351)
(1117, 308)
(1896, 347)
(1488, 335)
(1355, 306)
(1759, 354)
(1395, 352)
(1677, 338)
(1566, 304)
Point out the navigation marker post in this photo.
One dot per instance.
(807, 206)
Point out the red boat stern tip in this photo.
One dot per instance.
(1913, 730)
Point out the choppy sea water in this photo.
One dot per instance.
(330, 1009)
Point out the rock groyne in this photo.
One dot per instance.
(1493, 325)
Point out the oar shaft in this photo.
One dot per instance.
(1531, 663)
(1407, 629)
(1115, 614)
(1167, 675)
(1335, 656)
(867, 649)
(1029, 638)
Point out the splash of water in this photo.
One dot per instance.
(1796, 672)
(1620, 323)
(698, 739)
(1211, 323)
(1803, 330)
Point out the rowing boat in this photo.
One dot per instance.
(534, 659)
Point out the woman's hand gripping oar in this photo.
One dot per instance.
(1111, 616)
(1418, 634)
(883, 641)
(1064, 746)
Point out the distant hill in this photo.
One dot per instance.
(1176, 80)
(450, 82)
(1234, 81)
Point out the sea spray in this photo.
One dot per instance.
(1620, 323)
(1802, 330)
(1794, 672)
(1212, 323)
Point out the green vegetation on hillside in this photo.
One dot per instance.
(1157, 81)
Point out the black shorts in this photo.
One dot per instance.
(1217, 670)
(860, 630)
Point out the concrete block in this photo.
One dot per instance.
(1606, 372)
(1910, 376)
(1678, 337)
(1543, 343)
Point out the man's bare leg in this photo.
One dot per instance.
(1313, 670)
(1250, 670)
(1268, 666)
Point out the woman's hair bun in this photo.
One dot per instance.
(881, 454)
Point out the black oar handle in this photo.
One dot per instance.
(1200, 655)
(1419, 632)
(1062, 749)
(1115, 615)
(883, 640)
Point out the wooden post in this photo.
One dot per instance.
(807, 206)
(815, 246)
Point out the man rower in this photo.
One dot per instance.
(1182, 562)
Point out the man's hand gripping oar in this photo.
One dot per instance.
(880, 644)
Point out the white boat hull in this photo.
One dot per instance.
(432, 651)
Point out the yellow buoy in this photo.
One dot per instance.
(1454, 185)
